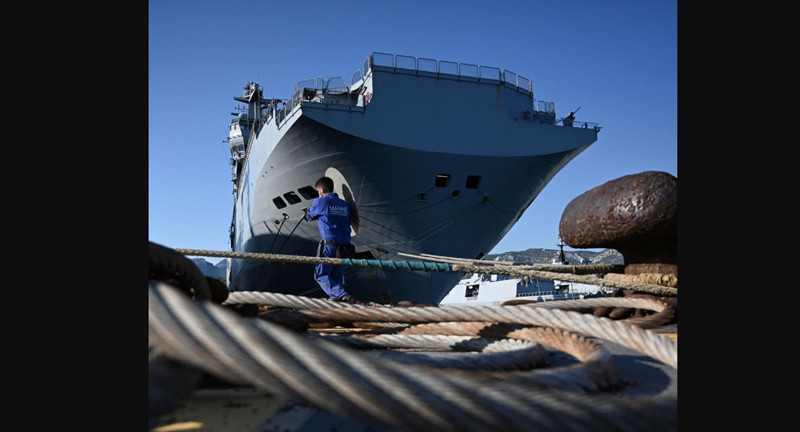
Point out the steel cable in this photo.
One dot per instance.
(544, 314)
(595, 371)
(630, 336)
(259, 353)
(494, 354)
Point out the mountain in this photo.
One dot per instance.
(217, 271)
(545, 256)
(528, 256)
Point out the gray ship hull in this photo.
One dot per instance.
(425, 177)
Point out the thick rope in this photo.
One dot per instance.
(171, 263)
(494, 354)
(669, 280)
(323, 374)
(587, 279)
(428, 266)
(630, 336)
(558, 268)
(388, 264)
(664, 312)
(595, 372)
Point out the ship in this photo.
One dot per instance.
(488, 289)
(485, 289)
(435, 157)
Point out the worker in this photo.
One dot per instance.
(333, 215)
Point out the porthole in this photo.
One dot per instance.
(308, 192)
(292, 197)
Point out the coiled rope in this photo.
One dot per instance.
(594, 373)
(564, 272)
(541, 314)
(409, 395)
(164, 262)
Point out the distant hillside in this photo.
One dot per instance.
(529, 256)
(218, 271)
(545, 256)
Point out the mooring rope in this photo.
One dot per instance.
(493, 354)
(594, 373)
(322, 373)
(541, 313)
(664, 312)
(429, 266)
(172, 264)
(558, 268)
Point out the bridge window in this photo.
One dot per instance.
(473, 182)
(279, 203)
(292, 197)
(442, 180)
(308, 192)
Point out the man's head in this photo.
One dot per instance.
(324, 185)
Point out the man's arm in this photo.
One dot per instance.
(315, 211)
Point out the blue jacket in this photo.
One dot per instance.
(334, 217)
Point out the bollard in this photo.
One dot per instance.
(637, 215)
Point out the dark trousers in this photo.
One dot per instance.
(329, 276)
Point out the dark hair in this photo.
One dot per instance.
(326, 183)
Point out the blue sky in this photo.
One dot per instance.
(616, 59)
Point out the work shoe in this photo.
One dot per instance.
(347, 298)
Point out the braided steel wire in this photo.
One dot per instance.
(595, 372)
(630, 336)
(321, 373)
(546, 314)
(494, 354)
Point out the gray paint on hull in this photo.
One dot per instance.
(385, 182)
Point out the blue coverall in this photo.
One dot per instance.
(333, 215)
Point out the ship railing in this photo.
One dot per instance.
(450, 70)
(269, 113)
(544, 107)
(536, 293)
(288, 109)
(579, 124)
(542, 111)
(312, 90)
(357, 77)
(571, 295)
(332, 92)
